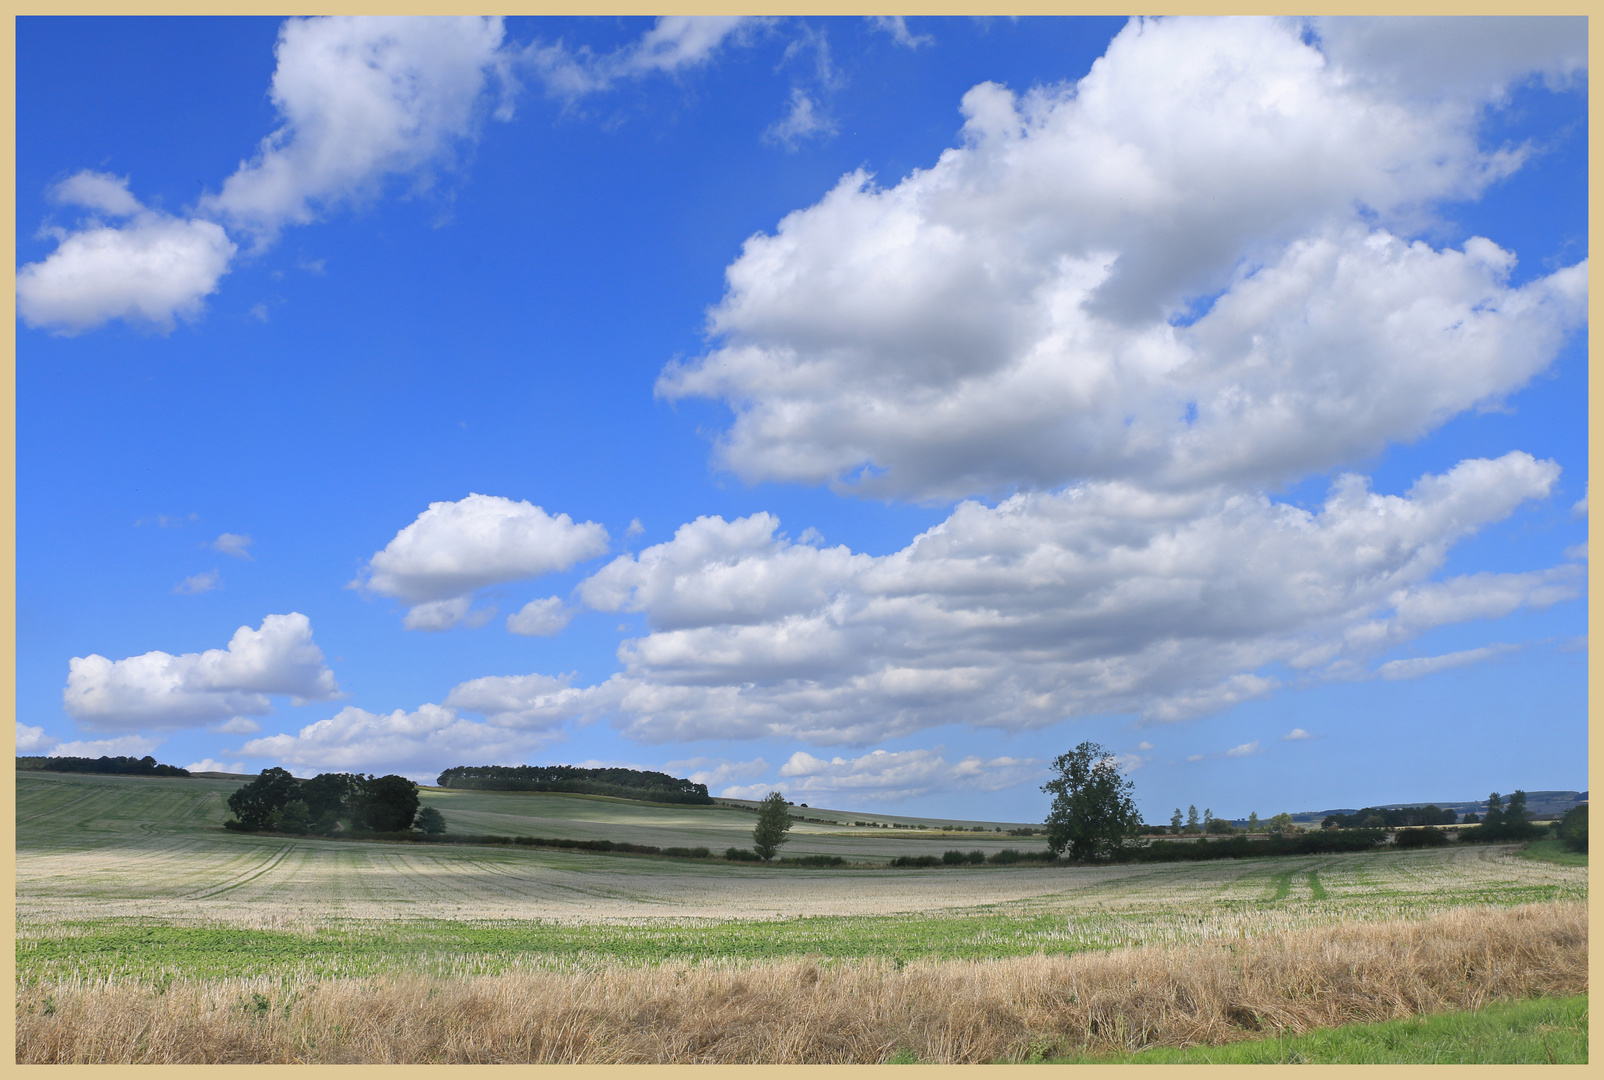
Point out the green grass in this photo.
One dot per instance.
(1553, 851)
(1537, 1031)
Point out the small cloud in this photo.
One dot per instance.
(1194, 757)
(810, 535)
(234, 544)
(540, 618)
(1297, 734)
(197, 583)
(1144, 745)
(314, 266)
(635, 527)
(897, 27)
(1577, 552)
(239, 725)
(710, 771)
(31, 740)
(125, 746)
(1245, 750)
(259, 312)
(1415, 667)
(804, 120)
(1579, 509)
(208, 765)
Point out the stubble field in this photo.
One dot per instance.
(129, 887)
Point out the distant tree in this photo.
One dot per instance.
(1218, 827)
(429, 821)
(1253, 821)
(773, 823)
(1470, 818)
(1192, 824)
(255, 803)
(1092, 812)
(1573, 828)
(1281, 823)
(385, 804)
(1495, 811)
(295, 817)
(1175, 822)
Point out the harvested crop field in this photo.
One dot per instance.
(137, 913)
(811, 1011)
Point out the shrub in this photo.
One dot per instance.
(915, 860)
(1573, 828)
(815, 861)
(1420, 838)
(954, 858)
(735, 854)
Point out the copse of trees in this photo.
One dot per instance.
(279, 802)
(619, 783)
(1397, 817)
(115, 766)
(1503, 824)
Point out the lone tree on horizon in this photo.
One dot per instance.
(773, 823)
(1092, 811)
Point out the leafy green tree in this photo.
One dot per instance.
(1175, 822)
(1281, 823)
(1495, 813)
(295, 817)
(255, 803)
(1192, 825)
(1092, 812)
(429, 821)
(1573, 828)
(773, 823)
(386, 804)
(1253, 821)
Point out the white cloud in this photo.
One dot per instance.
(897, 27)
(1579, 508)
(1473, 57)
(160, 690)
(1033, 309)
(540, 618)
(1297, 734)
(233, 544)
(1101, 598)
(419, 744)
(715, 771)
(97, 191)
(526, 702)
(152, 270)
(1415, 667)
(32, 740)
(208, 765)
(635, 528)
(238, 725)
(123, 746)
(362, 99)
(1245, 750)
(890, 775)
(803, 120)
(673, 44)
(205, 581)
(453, 549)
(1144, 745)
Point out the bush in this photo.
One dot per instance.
(429, 821)
(977, 857)
(815, 861)
(954, 858)
(1420, 838)
(1573, 828)
(915, 860)
(686, 852)
(735, 854)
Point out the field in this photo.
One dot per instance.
(129, 884)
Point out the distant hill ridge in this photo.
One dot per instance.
(1540, 803)
(619, 783)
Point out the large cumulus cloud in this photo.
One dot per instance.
(1191, 267)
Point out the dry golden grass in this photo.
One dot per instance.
(805, 1011)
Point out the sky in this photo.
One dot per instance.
(866, 409)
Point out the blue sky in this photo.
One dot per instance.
(868, 409)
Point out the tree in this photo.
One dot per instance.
(1281, 823)
(386, 804)
(1253, 821)
(773, 822)
(1573, 828)
(1092, 811)
(1175, 822)
(1191, 820)
(255, 803)
(430, 821)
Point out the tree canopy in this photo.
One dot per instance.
(1092, 812)
(773, 823)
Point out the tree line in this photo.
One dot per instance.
(276, 801)
(617, 782)
(117, 766)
